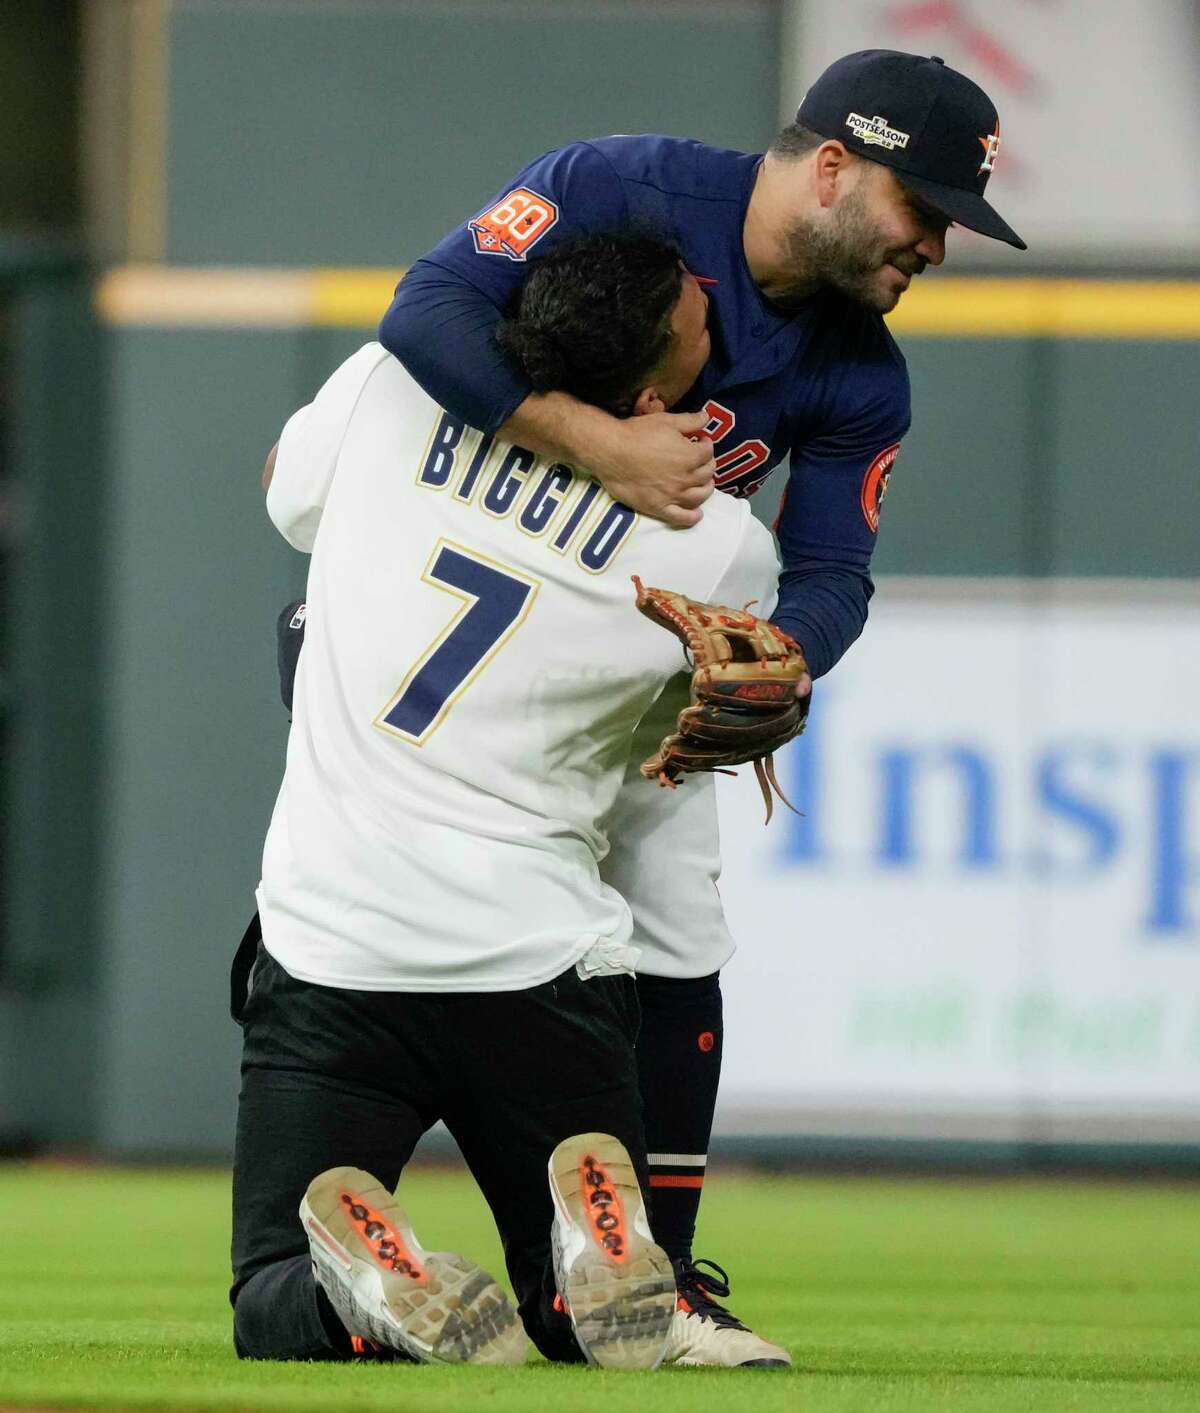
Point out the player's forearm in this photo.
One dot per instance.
(824, 607)
(441, 328)
(556, 424)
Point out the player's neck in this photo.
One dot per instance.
(768, 214)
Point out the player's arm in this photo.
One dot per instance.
(443, 317)
(268, 471)
(830, 517)
(299, 472)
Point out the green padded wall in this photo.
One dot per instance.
(359, 133)
(53, 673)
(960, 493)
(1123, 420)
(195, 731)
(148, 732)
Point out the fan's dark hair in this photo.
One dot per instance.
(593, 317)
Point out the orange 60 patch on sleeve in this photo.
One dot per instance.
(514, 225)
(875, 484)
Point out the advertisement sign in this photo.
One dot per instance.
(990, 904)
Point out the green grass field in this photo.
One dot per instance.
(891, 1294)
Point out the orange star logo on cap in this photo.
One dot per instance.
(991, 145)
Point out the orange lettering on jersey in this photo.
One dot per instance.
(736, 469)
(513, 226)
(875, 484)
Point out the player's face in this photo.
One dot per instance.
(877, 236)
(688, 351)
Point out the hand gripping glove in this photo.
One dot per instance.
(743, 692)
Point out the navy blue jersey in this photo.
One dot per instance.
(821, 381)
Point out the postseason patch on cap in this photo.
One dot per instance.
(875, 131)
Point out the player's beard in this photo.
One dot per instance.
(847, 252)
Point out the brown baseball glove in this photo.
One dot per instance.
(743, 698)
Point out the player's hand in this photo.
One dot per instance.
(659, 465)
(804, 685)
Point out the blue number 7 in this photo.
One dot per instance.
(495, 600)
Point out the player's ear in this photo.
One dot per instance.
(648, 401)
(831, 161)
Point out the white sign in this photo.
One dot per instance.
(992, 901)
(1098, 107)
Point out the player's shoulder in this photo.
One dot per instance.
(362, 363)
(727, 531)
(372, 394)
(388, 378)
(678, 166)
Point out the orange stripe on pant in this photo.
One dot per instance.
(671, 1180)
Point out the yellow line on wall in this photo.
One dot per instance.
(352, 298)
(1085, 309)
(240, 297)
(146, 233)
(211, 297)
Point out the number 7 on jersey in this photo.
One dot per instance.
(494, 603)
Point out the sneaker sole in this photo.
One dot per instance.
(620, 1290)
(438, 1307)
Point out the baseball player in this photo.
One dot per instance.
(801, 251)
(434, 927)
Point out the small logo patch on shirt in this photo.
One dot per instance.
(875, 484)
(513, 226)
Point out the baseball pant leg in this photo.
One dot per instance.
(532, 1068)
(665, 860)
(325, 1083)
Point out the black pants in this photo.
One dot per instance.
(333, 1077)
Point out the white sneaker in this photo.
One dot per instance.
(616, 1285)
(434, 1306)
(704, 1332)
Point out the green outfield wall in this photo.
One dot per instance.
(146, 719)
(293, 132)
(245, 158)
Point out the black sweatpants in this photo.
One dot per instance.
(333, 1077)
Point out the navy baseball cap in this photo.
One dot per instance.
(938, 131)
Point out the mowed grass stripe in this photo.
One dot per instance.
(891, 1295)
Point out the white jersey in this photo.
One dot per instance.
(473, 671)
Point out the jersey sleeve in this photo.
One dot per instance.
(829, 517)
(445, 311)
(309, 447)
